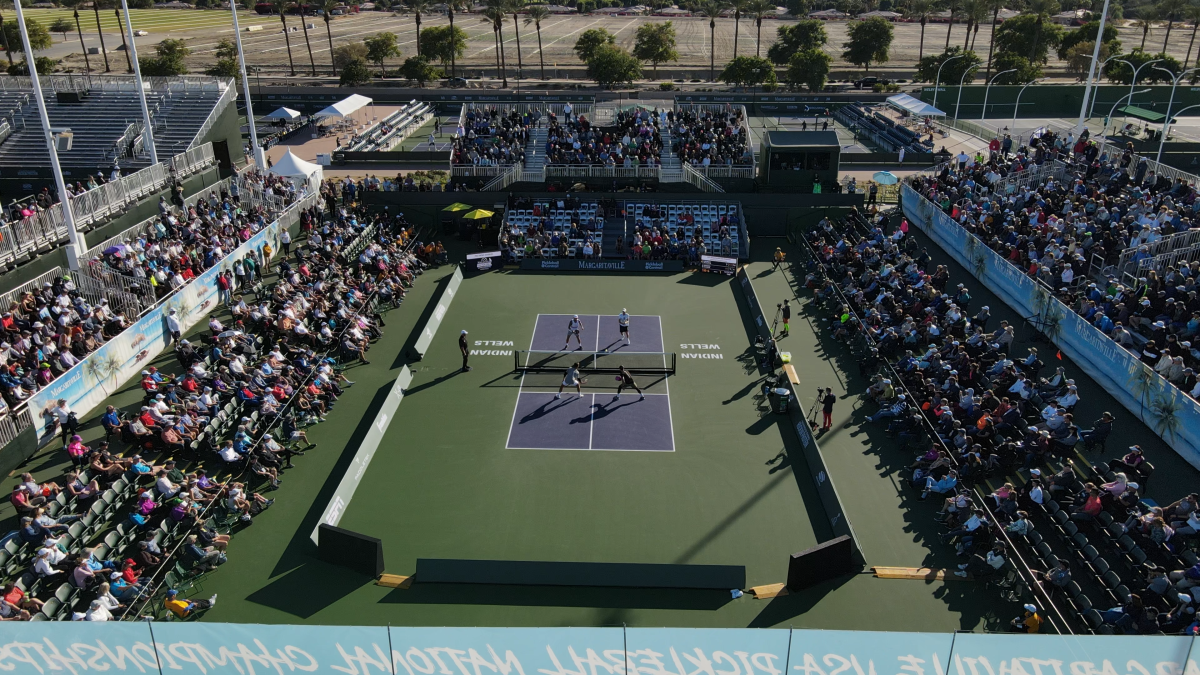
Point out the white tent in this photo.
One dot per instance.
(913, 105)
(344, 107)
(282, 114)
(301, 172)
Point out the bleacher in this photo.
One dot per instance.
(706, 222)
(391, 130)
(560, 218)
(881, 129)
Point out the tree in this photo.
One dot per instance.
(62, 25)
(759, 10)
(342, 56)
(655, 42)
(45, 66)
(280, 7)
(974, 11)
(1079, 57)
(355, 73)
(514, 7)
(304, 24)
(749, 71)
(1192, 14)
(226, 68)
(869, 42)
(39, 37)
(1040, 10)
(1087, 33)
(453, 6)
(444, 43)
(809, 68)
(927, 69)
(737, 6)
(1023, 70)
(419, 70)
(124, 44)
(103, 50)
(712, 10)
(1170, 10)
(995, 6)
(536, 15)
(381, 47)
(611, 65)
(919, 11)
(226, 49)
(1118, 71)
(495, 14)
(590, 40)
(1018, 36)
(417, 8)
(801, 36)
(327, 7)
(87, 63)
(1145, 21)
(167, 61)
(951, 5)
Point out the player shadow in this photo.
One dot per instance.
(701, 279)
(432, 383)
(602, 410)
(609, 347)
(545, 409)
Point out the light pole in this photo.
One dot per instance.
(1166, 126)
(960, 87)
(1087, 92)
(988, 88)
(1104, 131)
(1135, 74)
(1170, 101)
(148, 131)
(938, 77)
(259, 158)
(75, 243)
(1118, 58)
(1017, 105)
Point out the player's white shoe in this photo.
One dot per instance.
(581, 396)
(617, 397)
(557, 396)
(643, 398)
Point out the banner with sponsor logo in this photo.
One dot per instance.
(439, 312)
(601, 265)
(103, 371)
(1162, 406)
(199, 648)
(485, 261)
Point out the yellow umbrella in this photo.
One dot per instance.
(478, 214)
(458, 206)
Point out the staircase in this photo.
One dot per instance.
(672, 168)
(535, 156)
(614, 229)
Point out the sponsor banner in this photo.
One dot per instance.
(103, 371)
(439, 313)
(601, 265)
(712, 263)
(365, 453)
(485, 261)
(1162, 406)
(201, 648)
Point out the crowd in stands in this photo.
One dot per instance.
(707, 138)
(656, 236)
(1104, 204)
(946, 385)
(491, 137)
(633, 141)
(536, 228)
(209, 440)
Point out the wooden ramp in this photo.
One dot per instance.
(922, 573)
(394, 581)
(768, 591)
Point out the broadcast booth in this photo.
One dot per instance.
(794, 160)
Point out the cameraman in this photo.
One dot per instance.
(827, 401)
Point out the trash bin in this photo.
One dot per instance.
(783, 399)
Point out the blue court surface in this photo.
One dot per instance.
(595, 421)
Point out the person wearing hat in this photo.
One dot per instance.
(466, 351)
(1030, 622)
(182, 607)
(778, 258)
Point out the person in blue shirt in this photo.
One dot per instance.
(111, 421)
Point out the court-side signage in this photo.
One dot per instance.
(196, 648)
(363, 456)
(482, 262)
(426, 338)
(575, 265)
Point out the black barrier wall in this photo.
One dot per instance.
(601, 265)
(838, 521)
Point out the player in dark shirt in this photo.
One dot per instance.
(627, 381)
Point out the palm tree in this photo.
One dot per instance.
(920, 10)
(951, 5)
(974, 11)
(128, 61)
(995, 6)
(7, 50)
(712, 9)
(1041, 9)
(304, 24)
(281, 7)
(759, 10)
(327, 6)
(451, 7)
(514, 7)
(416, 8)
(1169, 9)
(87, 65)
(96, 9)
(495, 15)
(737, 6)
(536, 15)
(1191, 14)
(1145, 21)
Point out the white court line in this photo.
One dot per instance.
(517, 403)
(597, 347)
(591, 421)
(667, 384)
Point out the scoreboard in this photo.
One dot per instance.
(712, 263)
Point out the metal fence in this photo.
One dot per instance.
(1171, 172)
(698, 179)
(505, 179)
(137, 230)
(228, 95)
(1054, 170)
(588, 171)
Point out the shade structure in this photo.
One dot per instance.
(344, 107)
(282, 114)
(885, 178)
(458, 206)
(478, 214)
(914, 105)
(300, 171)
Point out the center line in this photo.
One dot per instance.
(591, 421)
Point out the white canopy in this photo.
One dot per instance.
(914, 106)
(282, 114)
(344, 107)
(300, 171)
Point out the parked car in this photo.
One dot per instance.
(866, 82)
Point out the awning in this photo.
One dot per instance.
(282, 114)
(344, 107)
(913, 105)
(1142, 114)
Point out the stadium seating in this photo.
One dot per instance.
(882, 129)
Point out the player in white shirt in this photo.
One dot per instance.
(574, 328)
(623, 324)
(571, 379)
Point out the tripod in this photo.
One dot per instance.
(812, 412)
(775, 321)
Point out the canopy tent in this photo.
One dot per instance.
(1143, 114)
(282, 114)
(914, 105)
(345, 107)
(300, 171)
(458, 206)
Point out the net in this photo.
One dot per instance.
(596, 362)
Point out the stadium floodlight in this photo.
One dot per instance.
(960, 88)
(75, 243)
(938, 78)
(1091, 78)
(988, 89)
(1170, 102)
(1108, 118)
(148, 126)
(260, 158)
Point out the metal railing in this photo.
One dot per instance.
(726, 171)
(8, 299)
(1171, 242)
(1053, 170)
(142, 227)
(477, 171)
(740, 171)
(505, 179)
(589, 171)
(1171, 172)
(228, 95)
(976, 130)
(701, 181)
